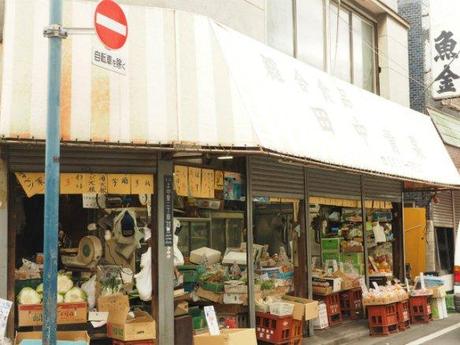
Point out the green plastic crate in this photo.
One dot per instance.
(199, 322)
(330, 256)
(450, 303)
(353, 258)
(214, 287)
(331, 244)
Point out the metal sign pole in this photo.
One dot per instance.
(55, 34)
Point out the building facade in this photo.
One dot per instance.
(443, 208)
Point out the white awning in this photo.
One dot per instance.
(190, 80)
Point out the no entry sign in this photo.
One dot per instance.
(111, 24)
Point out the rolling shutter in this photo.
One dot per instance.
(333, 184)
(31, 158)
(378, 188)
(443, 211)
(274, 179)
(456, 195)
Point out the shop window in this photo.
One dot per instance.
(363, 53)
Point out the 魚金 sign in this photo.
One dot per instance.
(444, 39)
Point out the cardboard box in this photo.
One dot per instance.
(322, 290)
(236, 298)
(235, 336)
(122, 324)
(347, 283)
(181, 309)
(334, 283)
(439, 292)
(209, 295)
(70, 337)
(212, 255)
(67, 313)
(304, 308)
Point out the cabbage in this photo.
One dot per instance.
(64, 283)
(39, 288)
(60, 298)
(74, 295)
(29, 296)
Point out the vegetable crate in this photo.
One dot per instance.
(383, 319)
(420, 309)
(334, 311)
(403, 315)
(351, 304)
(240, 320)
(273, 329)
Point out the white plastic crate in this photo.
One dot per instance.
(281, 308)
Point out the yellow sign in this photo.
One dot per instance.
(32, 183)
(219, 180)
(207, 183)
(370, 204)
(181, 180)
(142, 184)
(78, 183)
(194, 182)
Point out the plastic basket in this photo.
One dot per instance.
(281, 308)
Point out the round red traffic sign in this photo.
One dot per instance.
(111, 24)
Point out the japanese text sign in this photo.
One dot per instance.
(444, 41)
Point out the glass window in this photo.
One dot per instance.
(363, 53)
(199, 235)
(339, 44)
(310, 32)
(280, 28)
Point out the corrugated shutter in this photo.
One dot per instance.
(273, 179)
(378, 188)
(442, 210)
(333, 183)
(28, 158)
(456, 195)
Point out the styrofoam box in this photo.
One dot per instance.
(212, 255)
(321, 321)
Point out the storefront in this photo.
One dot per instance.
(259, 187)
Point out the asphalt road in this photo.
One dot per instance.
(450, 338)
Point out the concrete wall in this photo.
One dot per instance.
(393, 60)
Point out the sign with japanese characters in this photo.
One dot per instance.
(111, 24)
(109, 60)
(77, 183)
(445, 47)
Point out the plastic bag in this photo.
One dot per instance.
(144, 277)
(89, 288)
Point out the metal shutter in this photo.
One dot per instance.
(274, 179)
(31, 158)
(456, 195)
(443, 211)
(379, 188)
(331, 183)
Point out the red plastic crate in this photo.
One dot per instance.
(351, 304)
(296, 329)
(383, 319)
(403, 309)
(420, 309)
(334, 311)
(273, 329)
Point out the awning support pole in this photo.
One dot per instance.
(55, 34)
(308, 238)
(364, 226)
(249, 245)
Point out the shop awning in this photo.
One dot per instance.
(448, 127)
(189, 81)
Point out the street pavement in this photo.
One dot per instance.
(427, 334)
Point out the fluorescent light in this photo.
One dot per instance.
(225, 157)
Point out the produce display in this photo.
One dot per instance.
(385, 295)
(67, 292)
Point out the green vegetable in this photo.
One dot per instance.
(29, 296)
(64, 283)
(60, 298)
(39, 288)
(75, 295)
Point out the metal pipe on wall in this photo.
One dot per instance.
(249, 245)
(364, 221)
(52, 153)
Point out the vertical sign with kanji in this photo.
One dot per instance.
(168, 211)
(444, 39)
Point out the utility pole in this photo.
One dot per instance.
(55, 34)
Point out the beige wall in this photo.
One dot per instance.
(393, 60)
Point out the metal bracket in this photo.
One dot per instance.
(55, 30)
